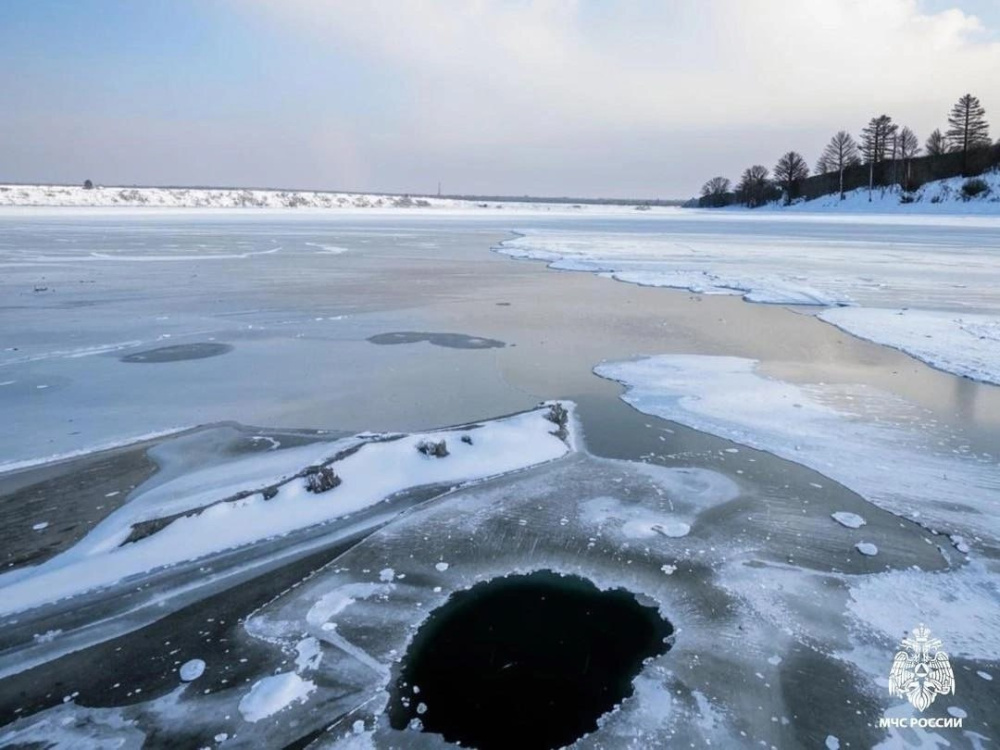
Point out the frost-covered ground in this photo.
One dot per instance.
(944, 270)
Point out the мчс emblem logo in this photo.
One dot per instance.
(921, 671)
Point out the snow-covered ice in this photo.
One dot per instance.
(961, 343)
(924, 284)
(848, 520)
(272, 694)
(213, 521)
(961, 606)
(861, 442)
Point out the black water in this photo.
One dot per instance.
(527, 661)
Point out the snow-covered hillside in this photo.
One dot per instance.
(74, 195)
(940, 196)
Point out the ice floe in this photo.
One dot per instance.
(191, 670)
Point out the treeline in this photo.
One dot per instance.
(885, 154)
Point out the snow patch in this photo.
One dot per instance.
(271, 694)
(309, 654)
(848, 520)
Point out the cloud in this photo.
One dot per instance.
(711, 62)
(514, 96)
(584, 81)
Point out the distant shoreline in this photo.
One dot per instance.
(323, 198)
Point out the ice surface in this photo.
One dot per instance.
(893, 464)
(68, 727)
(965, 344)
(854, 441)
(271, 694)
(944, 270)
(750, 599)
(309, 654)
(944, 263)
(508, 526)
(961, 607)
(377, 470)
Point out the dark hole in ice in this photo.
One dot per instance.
(178, 353)
(449, 340)
(528, 661)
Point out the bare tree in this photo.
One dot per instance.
(840, 153)
(936, 143)
(788, 171)
(714, 192)
(753, 184)
(876, 138)
(968, 127)
(909, 147)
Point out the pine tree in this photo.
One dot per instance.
(788, 171)
(969, 129)
(840, 153)
(876, 138)
(936, 143)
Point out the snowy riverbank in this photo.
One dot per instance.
(177, 197)
(937, 197)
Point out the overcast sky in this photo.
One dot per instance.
(553, 97)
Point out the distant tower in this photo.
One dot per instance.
(439, 189)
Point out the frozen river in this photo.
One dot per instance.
(708, 445)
